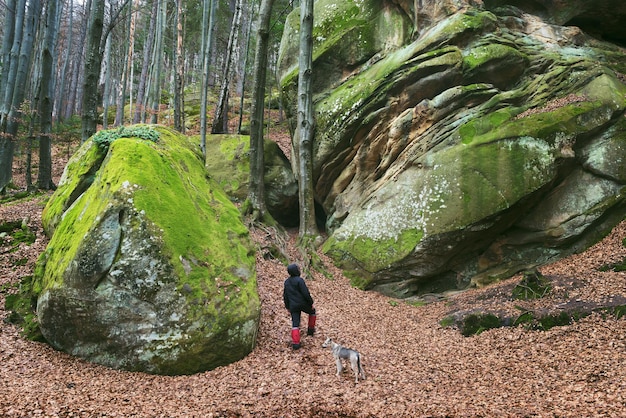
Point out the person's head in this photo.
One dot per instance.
(293, 270)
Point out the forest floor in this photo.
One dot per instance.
(415, 367)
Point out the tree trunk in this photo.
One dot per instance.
(140, 112)
(128, 60)
(158, 62)
(77, 72)
(93, 63)
(46, 89)
(244, 64)
(256, 191)
(12, 64)
(107, 84)
(178, 72)
(306, 125)
(61, 96)
(220, 121)
(11, 30)
(206, 60)
(10, 122)
(7, 44)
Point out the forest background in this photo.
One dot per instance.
(66, 64)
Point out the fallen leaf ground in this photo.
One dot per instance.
(414, 366)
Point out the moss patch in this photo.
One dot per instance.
(21, 305)
(369, 254)
(475, 323)
(532, 286)
(16, 233)
(227, 160)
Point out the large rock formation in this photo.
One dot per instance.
(228, 161)
(149, 266)
(458, 143)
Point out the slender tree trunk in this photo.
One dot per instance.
(128, 59)
(220, 121)
(256, 191)
(46, 89)
(10, 123)
(206, 60)
(179, 124)
(7, 44)
(77, 71)
(243, 80)
(14, 60)
(158, 62)
(93, 63)
(306, 125)
(143, 79)
(61, 93)
(107, 84)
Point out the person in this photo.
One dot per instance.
(298, 299)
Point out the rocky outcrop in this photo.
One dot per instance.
(228, 162)
(149, 266)
(459, 143)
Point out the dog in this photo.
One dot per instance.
(342, 353)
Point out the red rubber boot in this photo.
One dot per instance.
(311, 328)
(295, 338)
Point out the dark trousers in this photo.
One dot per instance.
(295, 315)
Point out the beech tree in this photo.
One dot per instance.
(26, 23)
(157, 61)
(46, 91)
(7, 45)
(143, 78)
(93, 64)
(256, 190)
(207, 40)
(179, 76)
(61, 88)
(305, 127)
(126, 69)
(220, 121)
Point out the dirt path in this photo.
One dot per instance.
(414, 366)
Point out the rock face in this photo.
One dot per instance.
(460, 142)
(149, 266)
(227, 159)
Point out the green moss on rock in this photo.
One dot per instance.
(474, 324)
(150, 242)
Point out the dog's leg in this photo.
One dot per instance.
(355, 368)
(361, 371)
(339, 366)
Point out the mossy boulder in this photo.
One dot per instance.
(483, 141)
(149, 266)
(228, 162)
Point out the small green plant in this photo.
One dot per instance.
(533, 286)
(446, 322)
(105, 138)
(393, 303)
(526, 318)
(14, 233)
(618, 311)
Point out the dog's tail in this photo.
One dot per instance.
(358, 362)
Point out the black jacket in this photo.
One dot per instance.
(296, 295)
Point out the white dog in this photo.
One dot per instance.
(340, 352)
